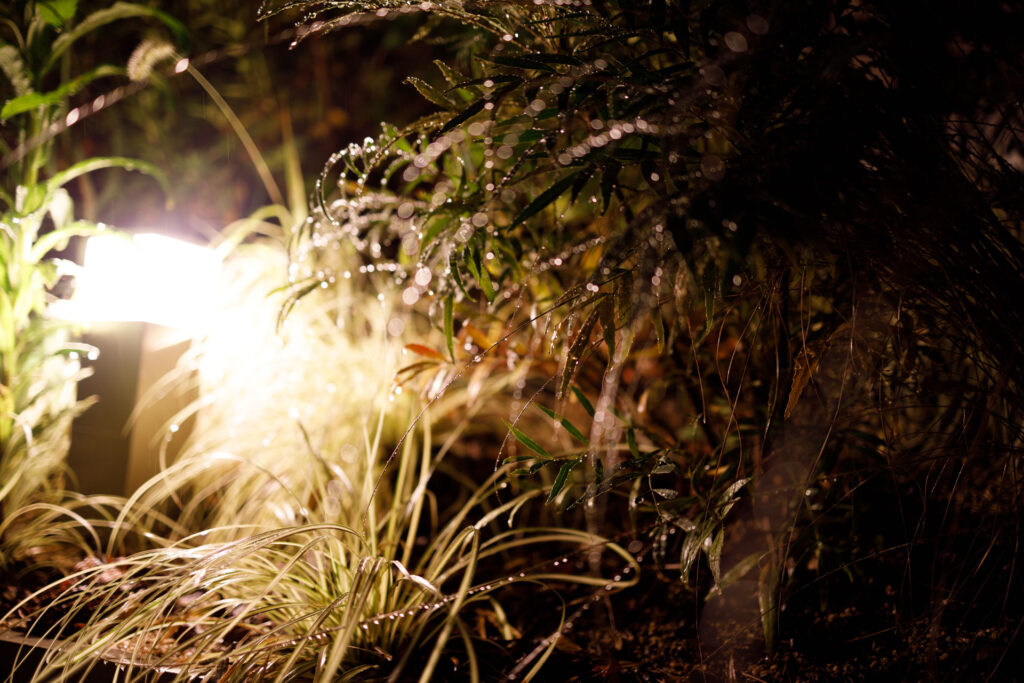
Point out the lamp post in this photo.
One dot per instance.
(140, 300)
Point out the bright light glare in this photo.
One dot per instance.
(148, 278)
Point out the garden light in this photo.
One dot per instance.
(147, 278)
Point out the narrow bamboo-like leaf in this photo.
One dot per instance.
(57, 12)
(528, 442)
(569, 426)
(560, 478)
(449, 326)
(464, 115)
(430, 93)
(579, 183)
(738, 571)
(579, 345)
(691, 551)
(452, 75)
(478, 337)
(456, 276)
(714, 553)
(609, 175)
(426, 351)
(485, 283)
(90, 165)
(34, 100)
(519, 62)
(55, 239)
(606, 309)
(554, 58)
(659, 327)
(546, 197)
(733, 489)
(631, 442)
(584, 401)
(7, 323)
(766, 597)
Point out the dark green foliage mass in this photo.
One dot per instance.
(807, 212)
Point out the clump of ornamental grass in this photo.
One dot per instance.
(385, 587)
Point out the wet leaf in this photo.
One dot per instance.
(464, 115)
(449, 327)
(546, 197)
(659, 327)
(57, 12)
(606, 309)
(519, 62)
(631, 442)
(569, 426)
(579, 345)
(714, 554)
(767, 585)
(737, 572)
(426, 351)
(584, 401)
(430, 93)
(560, 478)
(33, 100)
(478, 337)
(528, 442)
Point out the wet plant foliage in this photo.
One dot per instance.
(716, 293)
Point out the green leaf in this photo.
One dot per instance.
(691, 549)
(767, 584)
(546, 197)
(584, 401)
(631, 442)
(449, 326)
(554, 58)
(659, 327)
(456, 276)
(569, 426)
(430, 93)
(607, 311)
(34, 100)
(734, 488)
(7, 324)
(714, 554)
(119, 10)
(485, 283)
(738, 571)
(464, 115)
(453, 76)
(519, 62)
(609, 175)
(57, 12)
(667, 494)
(576, 349)
(98, 163)
(57, 239)
(560, 478)
(528, 442)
